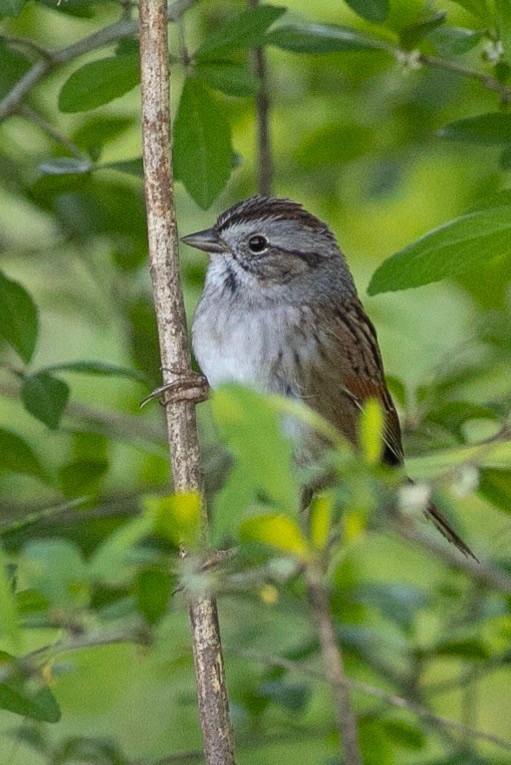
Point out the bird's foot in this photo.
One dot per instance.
(189, 386)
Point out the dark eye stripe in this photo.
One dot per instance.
(311, 258)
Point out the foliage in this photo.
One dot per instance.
(390, 120)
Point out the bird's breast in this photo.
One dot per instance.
(252, 347)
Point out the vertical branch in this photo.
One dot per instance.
(264, 155)
(334, 666)
(175, 357)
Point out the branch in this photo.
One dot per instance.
(116, 425)
(175, 355)
(369, 690)
(31, 663)
(489, 82)
(491, 577)
(264, 155)
(32, 116)
(54, 59)
(334, 666)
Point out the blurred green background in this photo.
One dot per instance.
(355, 139)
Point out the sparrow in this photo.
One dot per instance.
(280, 312)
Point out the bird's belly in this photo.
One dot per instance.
(260, 350)
(252, 349)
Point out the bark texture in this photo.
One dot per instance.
(175, 358)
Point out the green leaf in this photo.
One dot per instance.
(99, 82)
(99, 368)
(505, 158)
(82, 9)
(277, 531)
(334, 144)
(321, 512)
(9, 621)
(412, 34)
(19, 324)
(252, 430)
(235, 496)
(11, 7)
(153, 588)
(246, 30)
(370, 10)
(487, 129)
(448, 251)
(403, 734)
(94, 133)
(230, 77)
(45, 397)
(496, 455)
(292, 696)
(321, 38)
(65, 166)
(371, 426)
(202, 144)
(111, 563)
(13, 65)
(477, 7)
(454, 414)
(17, 456)
(397, 602)
(55, 568)
(464, 648)
(84, 749)
(503, 19)
(133, 166)
(454, 41)
(177, 517)
(495, 486)
(41, 706)
(82, 476)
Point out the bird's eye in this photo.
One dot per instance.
(257, 243)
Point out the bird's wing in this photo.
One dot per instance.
(363, 378)
(362, 373)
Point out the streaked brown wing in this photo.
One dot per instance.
(363, 375)
(363, 378)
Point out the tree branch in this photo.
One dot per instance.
(53, 59)
(32, 116)
(175, 357)
(486, 80)
(369, 690)
(493, 578)
(264, 154)
(334, 665)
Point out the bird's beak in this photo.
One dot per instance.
(207, 240)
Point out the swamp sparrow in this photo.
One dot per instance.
(280, 312)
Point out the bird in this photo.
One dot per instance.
(280, 312)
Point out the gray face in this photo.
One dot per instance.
(273, 240)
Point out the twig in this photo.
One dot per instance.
(175, 355)
(389, 698)
(32, 116)
(264, 154)
(489, 82)
(31, 663)
(17, 524)
(334, 665)
(53, 59)
(26, 42)
(120, 425)
(291, 734)
(491, 577)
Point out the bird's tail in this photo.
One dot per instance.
(444, 527)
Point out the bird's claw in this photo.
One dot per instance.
(189, 386)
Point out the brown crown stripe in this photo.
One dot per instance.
(257, 208)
